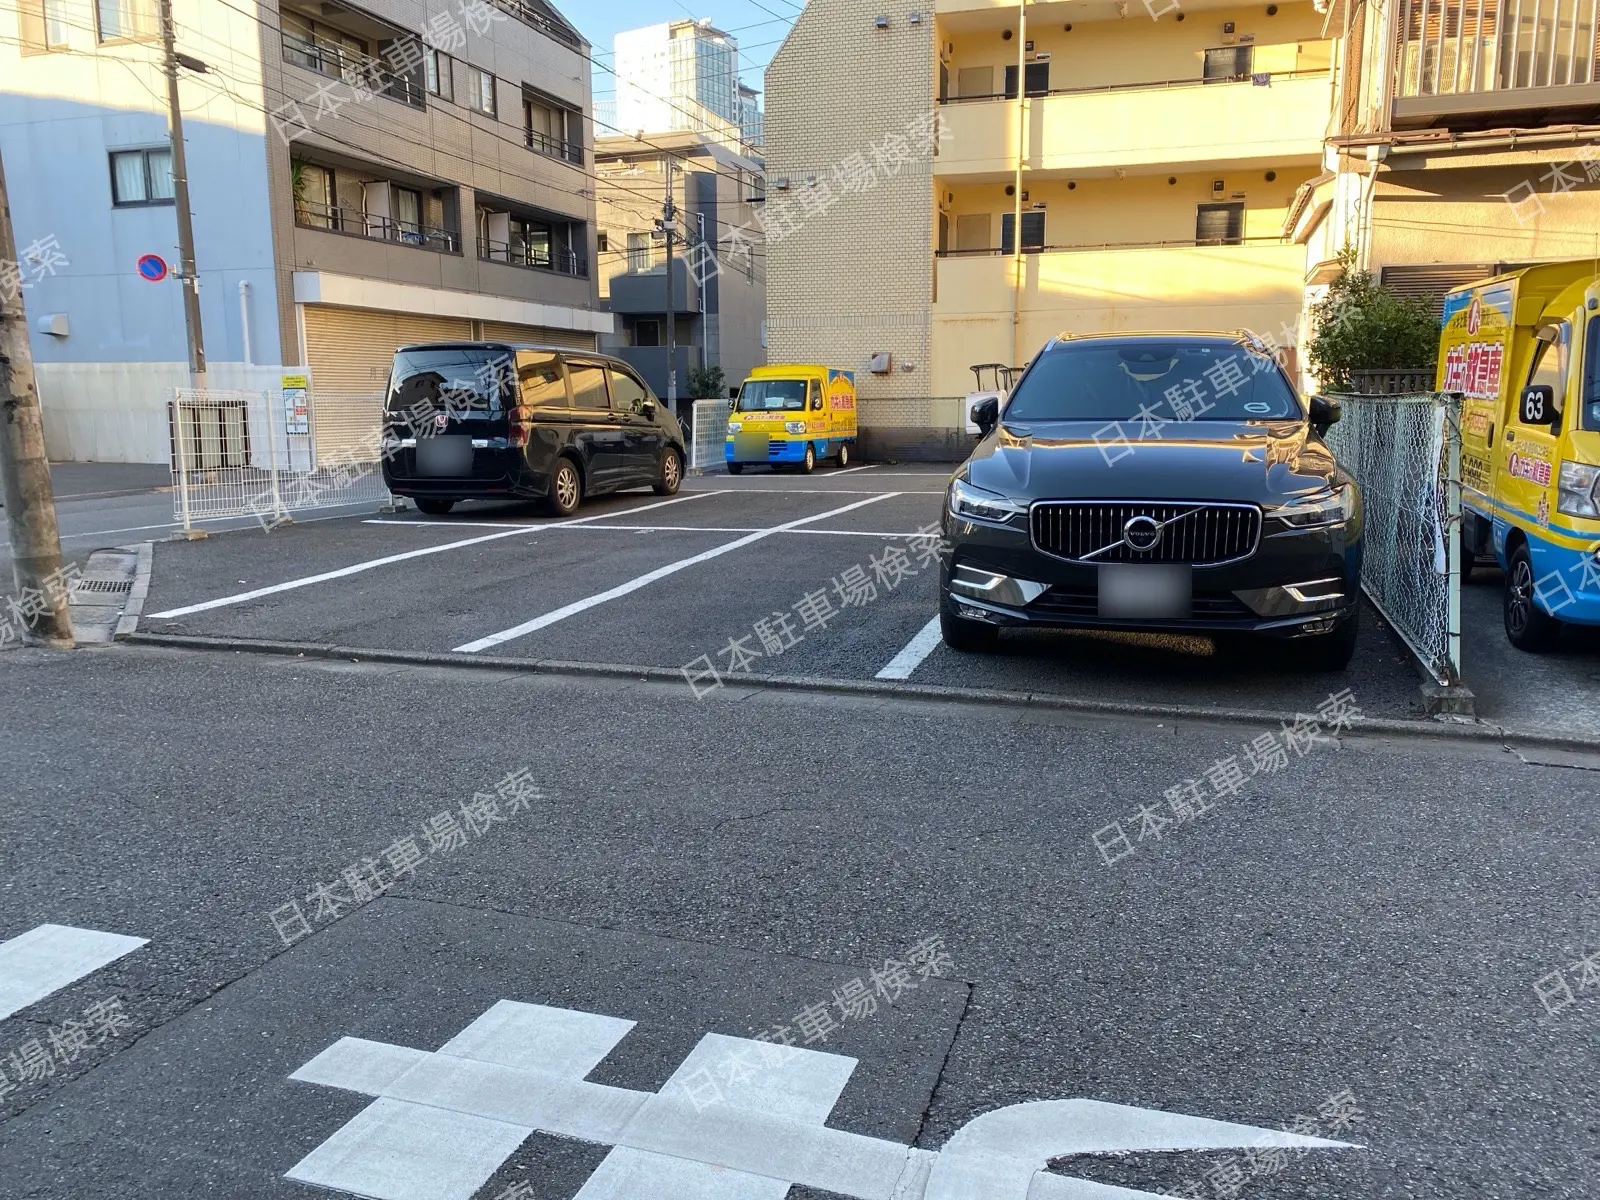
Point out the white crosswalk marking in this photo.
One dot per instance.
(48, 957)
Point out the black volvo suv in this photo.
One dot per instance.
(1156, 482)
(488, 419)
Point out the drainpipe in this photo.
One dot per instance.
(244, 320)
(1375, 156)
(1016, 189)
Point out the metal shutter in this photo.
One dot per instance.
(539, 335)
(351, 350)
(1431, 281)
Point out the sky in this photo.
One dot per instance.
(754, 24)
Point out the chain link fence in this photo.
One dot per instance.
(1405, 452)
(266, 455)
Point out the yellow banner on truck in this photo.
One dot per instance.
(1523, 349)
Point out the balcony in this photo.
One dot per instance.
(643, 287)
(342, 52)
(533, 256)
(355, 222)
(1486, 66)
(1253, 285)
(1144, 128)
(544, 143)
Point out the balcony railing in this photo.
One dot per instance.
(996, 251)
(544, 143)
(532, 257)
(356, 69)
(1471, 46)
(356, 223)
(1259, 78)
(534, 15)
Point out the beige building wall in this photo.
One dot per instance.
(856, 280)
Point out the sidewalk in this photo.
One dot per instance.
(89, 481)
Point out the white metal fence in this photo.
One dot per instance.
(1405, 452)
(267, 454)
(707, 435)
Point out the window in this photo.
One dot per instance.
(1037, 78)
(647, 332)
(1591, 375)
(1228, 63)
(407, 213)
(539, 380)
(601, 242)
(314, 196)
(813, 395)
(588, 385)
(1219, 224)
(481, 96)
(638, 251)
(56, 23)
(141, 177)
(436, 66)
(627, 393)
(119, 19)
(1032, 232)
(1550, 358)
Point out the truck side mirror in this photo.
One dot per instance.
(1325, 411)
(986, 415)
(1538, 404)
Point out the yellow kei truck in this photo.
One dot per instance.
(1523, 348)
(792, 413)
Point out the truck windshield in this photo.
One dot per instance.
(773, 395)
(1154, 379)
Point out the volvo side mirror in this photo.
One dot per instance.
(986, 415)
(1325, 411)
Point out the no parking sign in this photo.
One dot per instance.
(152, 267)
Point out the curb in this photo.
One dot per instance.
(128, 623)
(1462, 732)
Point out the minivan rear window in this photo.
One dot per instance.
(457, 379)
(1154, 379)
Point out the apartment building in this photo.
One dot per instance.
(1150, 157)
(1463, 142)
(717, 301)
(361, 176)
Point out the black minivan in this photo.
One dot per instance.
(491, 420)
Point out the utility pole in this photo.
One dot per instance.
(187, 274)
(30, 504)
(669, 219)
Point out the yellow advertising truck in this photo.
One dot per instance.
(1524, 350)
(795, 413)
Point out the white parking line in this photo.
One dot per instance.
(48, 957)
(847, 470)
(872, 533)
(649, 577)
(819, 491)
(370, 564)
(912, 653)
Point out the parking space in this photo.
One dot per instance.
(829, 575)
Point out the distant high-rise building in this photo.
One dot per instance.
(681, 75)
(750, 116)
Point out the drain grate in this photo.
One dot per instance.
(103, 585)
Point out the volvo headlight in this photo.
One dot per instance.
(1325, 508)
(1578, 487)
(975, 504)
(735, 426)
(795, 426)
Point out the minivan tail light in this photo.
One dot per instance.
(516, 435)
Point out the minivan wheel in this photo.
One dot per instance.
(433, 506)
(1528, 627)
(671, 474)
(566, 489)
(844, 454)
(808, 464)
(968, 637)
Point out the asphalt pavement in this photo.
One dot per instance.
(1377, 943)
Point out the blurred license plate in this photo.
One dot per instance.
(444, 456)
(1137, 590)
